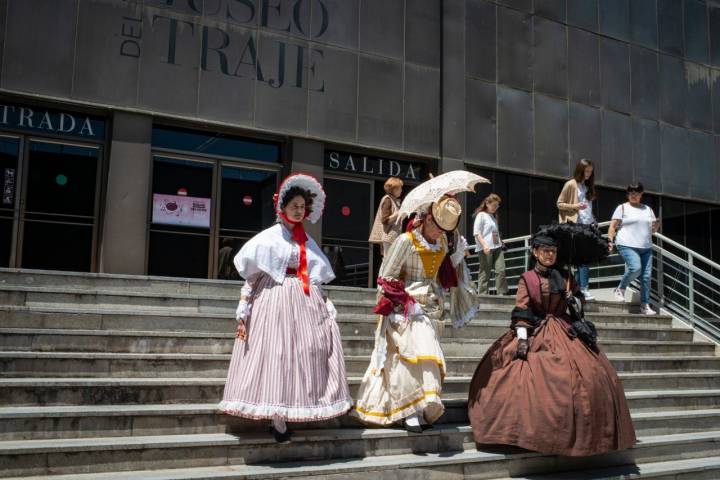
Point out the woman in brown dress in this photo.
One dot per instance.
(540, 387)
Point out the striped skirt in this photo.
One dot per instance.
(291, 366)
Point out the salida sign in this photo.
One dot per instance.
(230, 51)
(374, 166)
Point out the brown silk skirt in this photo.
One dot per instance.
(564, 399)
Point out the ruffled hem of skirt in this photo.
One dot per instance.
(289, 414)
(418, 405)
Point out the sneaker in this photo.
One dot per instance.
(619, 295)
(647, 310)
(587, 295)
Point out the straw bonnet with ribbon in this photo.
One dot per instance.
(309, 184)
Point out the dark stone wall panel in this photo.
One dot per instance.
(515, 128)
(514, 48)
(550, 57)
(646, 153)
(615, 75)
(673, 90)
(616, 166)
(670, 26)
(703, 167)
(481, 122)
(382, 27)
(645, 82)
(583, 13)
(422, 110)
(551, 136)
(380, 107)
(423, 23)
(714, 34)
(615, 18)
(481, 39)
(333, 111)
(583, 67)
(715, 85)
(643, 23)
(699, 102)
(38, 49)
(674, 159)
(342, 22)
(525, 5)
(555, 9)
(696, 30)
(585, 133)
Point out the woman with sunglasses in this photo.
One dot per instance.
(633, 224)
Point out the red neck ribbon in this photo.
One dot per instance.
(299, 235)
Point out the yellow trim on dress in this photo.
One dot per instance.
(426, 393)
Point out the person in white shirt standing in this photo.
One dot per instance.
(489, 246)
(633, 224)
(575, 204)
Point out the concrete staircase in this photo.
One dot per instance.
(111, 377)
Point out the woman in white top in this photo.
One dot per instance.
(575, 205)
(633, 224)
(489, 246)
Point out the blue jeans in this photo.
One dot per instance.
(638, 263)
(583, 276)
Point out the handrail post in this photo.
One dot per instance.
(660, 273)
(526, 256)
(691, 288)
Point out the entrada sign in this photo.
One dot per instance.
(374, 166)
(49, 121)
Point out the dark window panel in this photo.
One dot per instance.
(699, 103)
(165, 248)
(515, 128)
(696, 31)
(555, 9)
(616, 167)
(583, 67)
(715, 235)
(615, 75)
(673, 219)
(646, 153)
(583, 13)
(551, 136)
(703, 165)
(673, 90)
(645, 88)
(516, 207)
(550, 57)
(514, 48)
(643, 22)
(607, 201)
(480, 39)
(670, 26)
(615, 18)
(584, 133)
(714, 33)
(674, 160)
(697, 221)
(58, 246)
(481, 121)
(544, 194)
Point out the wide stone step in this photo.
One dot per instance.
(112, 454)
(124, 341)
(138, 391)
(32, 423)
(94, 364)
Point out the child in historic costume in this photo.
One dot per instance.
(541, 387)
(287, 364)
(407, 367)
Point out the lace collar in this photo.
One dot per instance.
(433, 247)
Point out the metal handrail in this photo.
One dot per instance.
(683, 286)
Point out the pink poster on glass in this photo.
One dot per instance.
(181, 210)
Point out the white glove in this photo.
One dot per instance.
(460, 248)
(242, 311)
(521, 333)
(332, 311)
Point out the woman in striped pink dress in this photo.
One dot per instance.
(287, 364)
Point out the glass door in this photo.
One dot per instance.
(9, 158)
(59, 212)
(246, 208)
(346, 227)
(182, 209)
